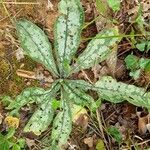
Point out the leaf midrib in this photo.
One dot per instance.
(52, 70)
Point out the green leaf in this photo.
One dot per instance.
(36, 44)
(4, 144)
(135, 74)
(100, 145)
(62, 126)
(43, 116)
(97, 50)
(21, 142)
(41, 119)
(143, 46)
(132, 62)
(10, 134)
(147, 67)
(114, 4)
(16, 147)
(102, 7)
(82, 84)
(114, 132)
(113, 91)
(6, 100)
(55, 104)
(143, 63)
(29, 95)
(67, 32)
(79, 97)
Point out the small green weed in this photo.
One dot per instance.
(136, 65)
(8, 141)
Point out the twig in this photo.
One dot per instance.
(105, 127)
(26, 74)
(6, 11)
(21, 3)
(86, 76)
(94, 130)
(101, 128)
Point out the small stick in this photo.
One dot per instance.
(26, 74)
(21, 3)
(101, 127)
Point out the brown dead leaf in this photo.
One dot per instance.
(120, 69)
(50, 5)
(142, 122)
(19, 54)
(80, 116)
(89, 141)
(30, 142)
(148, 127)
(96, 71)
(112, 60)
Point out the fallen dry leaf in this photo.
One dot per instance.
(12, 121)
(30, 142)
(50, 5)
(79, 116)
(19, 54)
(148, 127)
(144, 124)
(89, 141)
(112, 60)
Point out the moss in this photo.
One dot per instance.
(4, 69)
(15, 84)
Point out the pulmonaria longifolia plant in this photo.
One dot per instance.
(61, 62)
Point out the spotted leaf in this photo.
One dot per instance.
(79, 97)
(31, 95)
(81, 84)
(41, 119)
(67, 32)
(36, 44)
(97, 50)
(113, 91)
(62, 126)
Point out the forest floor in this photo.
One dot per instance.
(16, 71)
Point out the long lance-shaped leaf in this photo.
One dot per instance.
(67, 32)
(62, 126)
(113, 91)
(36, 44)
(31, 95)
(81, 84)
(41, 119)
(79, 97)
(97, 50)
(43, 116)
